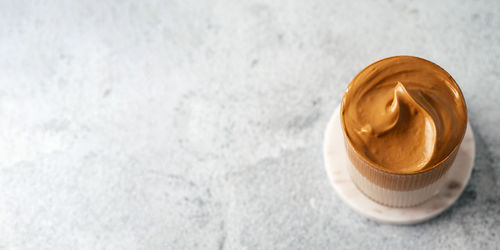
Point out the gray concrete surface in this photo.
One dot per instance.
(199, 124)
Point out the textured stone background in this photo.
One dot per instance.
(199, 124)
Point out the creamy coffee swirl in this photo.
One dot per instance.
(404, 114)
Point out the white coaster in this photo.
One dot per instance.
(335, 162)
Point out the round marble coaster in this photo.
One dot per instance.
(336, 160)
